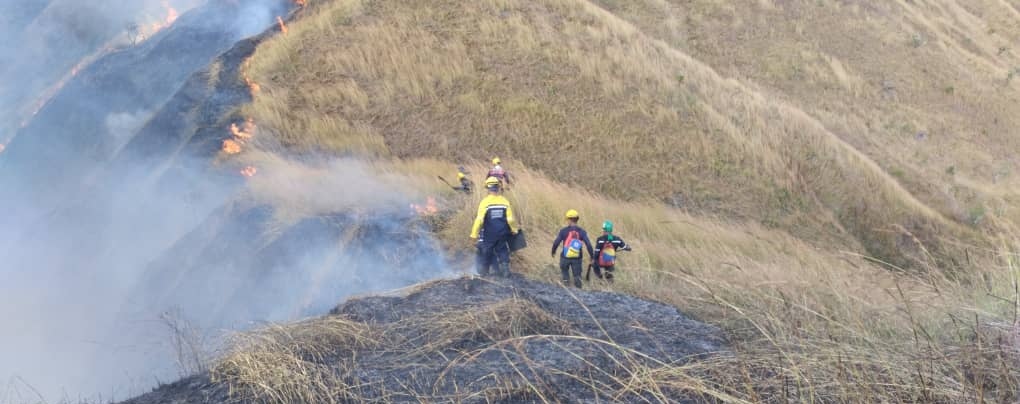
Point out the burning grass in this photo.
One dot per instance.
(231, 146)
(281, 25)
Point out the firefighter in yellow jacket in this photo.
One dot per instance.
(494, 227)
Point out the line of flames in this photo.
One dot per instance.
(52, 91)
(253, 87)
(147, 31)
(239, 135)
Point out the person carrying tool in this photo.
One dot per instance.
(573, 238)
(606, 247)
(493, 228)
(498, 172)
(465, 183)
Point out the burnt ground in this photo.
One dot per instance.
(462, 340)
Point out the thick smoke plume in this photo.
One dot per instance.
(128, 245)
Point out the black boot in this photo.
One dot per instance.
(504, 269)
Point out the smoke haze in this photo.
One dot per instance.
(123, 220)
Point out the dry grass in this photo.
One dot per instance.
(806, 323)
(917, 87)
(495, 322)
(314, 360)
(790, 134)
(292, 363)
(914, 340)
(589, 99)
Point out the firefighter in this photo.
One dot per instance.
(606, 247)
(493, 228)
(499, 172)
(573, 238)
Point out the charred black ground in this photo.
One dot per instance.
(466, 340)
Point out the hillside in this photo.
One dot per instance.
(581, 93)
(824, 180)
(821, 196)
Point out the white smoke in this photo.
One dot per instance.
(86, 276)
(122, 126)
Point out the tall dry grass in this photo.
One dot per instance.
(806, 192)
(592, 100)
(804, 324)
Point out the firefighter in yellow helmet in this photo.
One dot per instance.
(465, 183)
(573, 238)
(493, 228)
(497, 171)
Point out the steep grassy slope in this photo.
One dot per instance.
(796, 145)
(927, 89)
(590, 100)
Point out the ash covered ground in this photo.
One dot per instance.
(465, 340)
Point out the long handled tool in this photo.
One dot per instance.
(447, 182)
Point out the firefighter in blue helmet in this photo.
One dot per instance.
(494, 227)
(573, 238)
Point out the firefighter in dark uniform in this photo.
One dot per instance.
(493, 228)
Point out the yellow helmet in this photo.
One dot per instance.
(460, 176)
(572, 214)
(492, 182)
(496, 161)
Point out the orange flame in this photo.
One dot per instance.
(171, 14)
(253, 87)
(245, 132)
(147, 31)
(52, 91)
(240, 135)
(283, 27)
(249, 171)
(230, 146)
(430, 207)
(300, 3)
